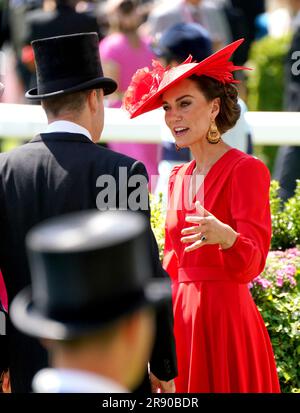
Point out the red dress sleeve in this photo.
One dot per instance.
(251, 218)
(170, 261)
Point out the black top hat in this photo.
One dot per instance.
(182, 40)
(88, 269)
(66, 64)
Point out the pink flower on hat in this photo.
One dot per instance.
(144, 84)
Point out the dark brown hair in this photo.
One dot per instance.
(229, 108)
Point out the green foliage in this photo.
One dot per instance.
(285, 219)
(266, 83)
(277, 290)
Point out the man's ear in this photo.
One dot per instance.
(93, 100)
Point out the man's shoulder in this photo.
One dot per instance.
(13, 153)
(98, 156)
(121, 160)
(83, 20)
(116, 156)
(38, 16)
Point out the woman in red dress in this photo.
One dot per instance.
(218, 229)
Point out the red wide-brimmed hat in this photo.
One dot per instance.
(146, 88)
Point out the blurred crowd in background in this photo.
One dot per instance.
(141, 21)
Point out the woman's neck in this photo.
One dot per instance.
(206, 154)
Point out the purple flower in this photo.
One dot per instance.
(279, 282)
(280, 273)
(293, 252)
(266, 283)
(262, 282)
(275, 253)
(290, 269)
(282, 267)
(291, 280)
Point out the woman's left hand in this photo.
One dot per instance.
(209, 230)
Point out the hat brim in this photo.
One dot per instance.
(30, 321)
(155, 101)
(183, 71)
(107, 84)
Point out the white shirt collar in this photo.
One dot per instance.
(73, 381)
(67, 126)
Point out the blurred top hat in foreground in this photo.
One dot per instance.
(88, 269)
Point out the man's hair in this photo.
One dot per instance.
(103, 336)
(71, 102)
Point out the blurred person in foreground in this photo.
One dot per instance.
(218, 228)
(4, 353)
(90, 309)
(3, 294)
(63, 170)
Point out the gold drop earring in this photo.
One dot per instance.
(213, 134)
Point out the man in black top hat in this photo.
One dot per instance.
(93, 292)
(61, 171)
